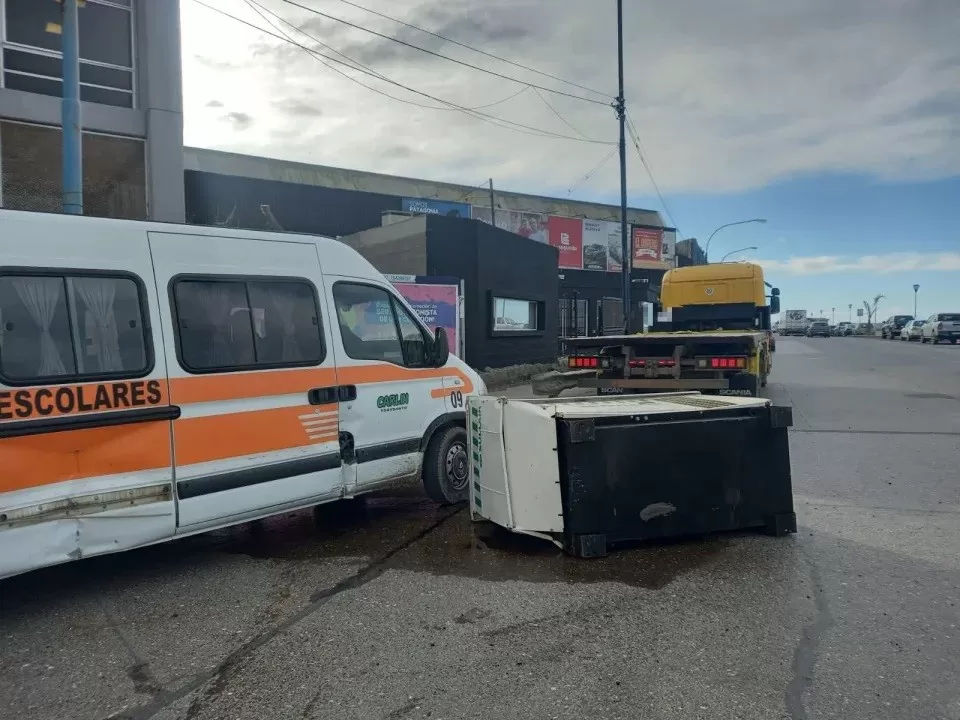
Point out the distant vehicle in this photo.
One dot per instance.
(844, 329)
(794, 322)
(891, 327)
(941, 326)
(818, 328)
(913, 330)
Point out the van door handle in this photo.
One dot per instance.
(322, 395)
(332, 394)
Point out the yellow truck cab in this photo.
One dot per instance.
(727, 296)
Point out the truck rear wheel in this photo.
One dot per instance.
(446, 467)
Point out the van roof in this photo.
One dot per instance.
(336, 257)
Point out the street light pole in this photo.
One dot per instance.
(850, 309)
(833, 316)
(706, 248)
(916, 288)
(734, 252)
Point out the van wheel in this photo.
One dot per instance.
(446, 467)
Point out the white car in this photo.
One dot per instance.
(941, 326)
(913, 330)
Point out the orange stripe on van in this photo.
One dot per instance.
(237, 386)
(34, 460)
(218, 437)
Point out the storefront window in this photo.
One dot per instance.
(114, 172)
(512, 315)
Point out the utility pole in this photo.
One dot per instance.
(493, 206)
(621, 107)
(916, 288)
(833, 316)
(850, 311)
(70, 122)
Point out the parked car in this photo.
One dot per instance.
(891, 327)
(913, 330)
(844, 329)
(941, 326)
(818, 329)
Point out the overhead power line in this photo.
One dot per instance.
(557, 113)
(474, 49)
(262, 12)
(440, 55)
(635, 136)
(492, 119)
(593, 171)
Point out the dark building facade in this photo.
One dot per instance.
(510, 283)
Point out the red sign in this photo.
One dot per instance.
(647, 246)
(566, 234)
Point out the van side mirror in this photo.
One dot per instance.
(774, 305)
(441, 347)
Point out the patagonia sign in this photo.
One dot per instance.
(395, 401)
(73, 399)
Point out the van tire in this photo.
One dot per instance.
(446, 477)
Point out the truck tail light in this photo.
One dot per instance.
(666, 363)
(722, 363)
(580, 361)
(638, 363)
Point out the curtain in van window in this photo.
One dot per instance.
(286, 305)
(216, 301)
(98, 295)
(40, 295)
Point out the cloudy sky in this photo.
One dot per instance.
(838, 122)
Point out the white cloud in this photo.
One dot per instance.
(887, 264)
(726, 96)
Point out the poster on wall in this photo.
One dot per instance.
(647, 247)
(668, 253)
(426, 206)
(566, 234)
(436, 303)
(528, 225)
(614, 247)
(594, 238)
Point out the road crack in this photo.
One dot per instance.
(805, 654)
(219, 677)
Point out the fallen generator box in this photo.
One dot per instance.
(586, 473)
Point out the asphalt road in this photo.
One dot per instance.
(395, 610)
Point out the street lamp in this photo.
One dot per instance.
(734, 252)
(850, 311)
(916, 288)
(706, 249)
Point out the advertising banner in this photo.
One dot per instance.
(425, 206)
(614, 247)
(435, 304)
(528, 225)
(566, 234)
(647, 247)
(595, 244)
(668, 253)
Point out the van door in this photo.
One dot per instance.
(385, 360)
(85, 413)
(253, 374)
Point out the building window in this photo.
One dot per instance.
(32, 60)
(227, 324)
(114, 172)
(374, 325)
(513, 315)
(72, 327)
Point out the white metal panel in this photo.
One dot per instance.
(530, 438)
(654, 404)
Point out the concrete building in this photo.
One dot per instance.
(132, 114)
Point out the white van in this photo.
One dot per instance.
(162, 380)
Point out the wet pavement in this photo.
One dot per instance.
(394, 608)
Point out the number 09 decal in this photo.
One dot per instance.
(456, 399)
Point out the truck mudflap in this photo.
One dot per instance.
(636, 468)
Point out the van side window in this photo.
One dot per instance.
(375, 326)
(71, 327)
(233, 323)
